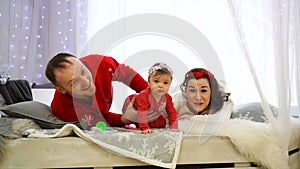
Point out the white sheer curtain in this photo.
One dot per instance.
(272, 41)
(32, 31)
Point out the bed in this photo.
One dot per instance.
(70, 147)
(74, 152)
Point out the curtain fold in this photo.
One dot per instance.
(279, 22)
(295, 50)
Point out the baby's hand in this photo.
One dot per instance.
(176, 130)
(147, 131)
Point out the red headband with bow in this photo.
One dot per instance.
(198, 75)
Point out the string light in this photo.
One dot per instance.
(23, 38)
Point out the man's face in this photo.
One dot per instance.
(75, 79)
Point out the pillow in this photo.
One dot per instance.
(251, 111)
(2, 100)
(38, 112)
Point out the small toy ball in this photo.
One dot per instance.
(132, 125)
(101, 125)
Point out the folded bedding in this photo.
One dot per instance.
(160, 148)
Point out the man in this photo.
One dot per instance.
(84, 87)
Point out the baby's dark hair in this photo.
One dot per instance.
(217, 94)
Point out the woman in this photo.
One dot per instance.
(202, 103)
(200, 94)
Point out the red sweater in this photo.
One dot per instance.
(146, 106)
(104, 70)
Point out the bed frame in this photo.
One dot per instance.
(74, 152)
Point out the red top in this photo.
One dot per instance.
(147, 106)
(104, 70)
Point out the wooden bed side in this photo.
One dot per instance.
(74, 152)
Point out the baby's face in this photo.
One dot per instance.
(160, 84)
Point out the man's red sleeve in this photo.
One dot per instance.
(129, 77)
(63, 108)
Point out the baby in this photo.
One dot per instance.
(152, 103)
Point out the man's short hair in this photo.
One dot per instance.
(57, 62)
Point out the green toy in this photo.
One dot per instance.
(101, 125)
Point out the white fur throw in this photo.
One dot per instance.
(256, 141)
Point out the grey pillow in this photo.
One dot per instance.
(37, 111)
(251, 111)
(2, 100)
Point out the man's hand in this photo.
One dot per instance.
(130, 115)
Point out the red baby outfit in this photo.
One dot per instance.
(104, 70)
(148, 108)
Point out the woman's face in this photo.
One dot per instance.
(198, 94)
